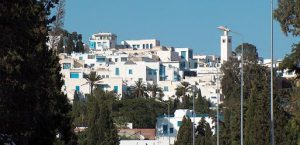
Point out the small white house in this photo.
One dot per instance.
(167, 127)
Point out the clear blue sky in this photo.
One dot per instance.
(180, 23)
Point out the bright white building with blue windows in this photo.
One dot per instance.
(168, 127)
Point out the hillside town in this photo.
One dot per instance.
(149, 72)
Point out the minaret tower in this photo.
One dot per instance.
(226, 44)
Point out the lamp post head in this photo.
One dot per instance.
(225, 29)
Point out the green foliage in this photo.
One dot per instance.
(101, 129)
(140, 111)
(256, 106)
(154, 89)
(204, 134)
(249, 52)
(139, 89)
(292, 61)
(287, 14)
(92, 78)
(201, 104)
(79, 111)
(181, 91)
(32, 108)
(184, 136)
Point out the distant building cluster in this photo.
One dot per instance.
(121, 65)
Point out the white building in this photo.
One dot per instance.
(141, 44)
(169, 126)
(103, 41)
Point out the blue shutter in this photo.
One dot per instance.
(116, 89)
(117, 71)
(77, 88)
(74, 75)
(92, 45)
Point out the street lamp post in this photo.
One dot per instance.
(194, 90)
(271, 89)
(242, 79)
(218, 101)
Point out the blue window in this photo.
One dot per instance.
(165, 129)
(100, 59)
(149, 71)
(66, 65)
(151, 46)
(171, 130)
(117, 71)
(183, 54)
(130, 71)
(179, 123)
(195, 65)
(166, 88)
(92, 45)
(74, 75)
(116, 89)
(80, 58)
(77, 88)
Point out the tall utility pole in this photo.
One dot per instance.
(242, 94)
(194, 114)
(218, 101)
(271, 89)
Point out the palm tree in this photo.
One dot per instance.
(92, 78)
(139, 88)
(181, 91)
(154, 89)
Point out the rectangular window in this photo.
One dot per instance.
(183, 54)
(137, 46)
(91, 56)
(144, 46)
(92, 45)
(179, 123)
(147, 46)
(166, 88)
(195, 65)
(100, 59)
(191, 54)
(117, 71)
(154, 72)
(66, 65)
(77, 88)
(123, 59)
(151, 45)
(116, 89)
(149, 71)
(165, 129)
(130, 71)
(116, 60)
(171, 130)
(74, 75)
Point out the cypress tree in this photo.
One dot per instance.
(203, 133)
(33, 109)
(184, 136)
(70, 44)
(201, 104)
(101, 129)
(250, 118)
